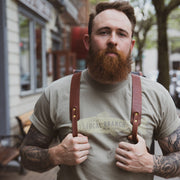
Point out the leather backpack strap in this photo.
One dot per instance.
(136, 106)
(136, 103)
(74, 102)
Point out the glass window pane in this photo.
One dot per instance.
(62, 66)
(24, 53)
(39, 72)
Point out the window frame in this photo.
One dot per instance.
(33, 20)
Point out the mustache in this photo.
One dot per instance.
(111, 50)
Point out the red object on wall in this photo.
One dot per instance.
(77, 45)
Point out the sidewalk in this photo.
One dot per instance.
(11, 173)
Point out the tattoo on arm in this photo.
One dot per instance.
(34, 151)
(169, 164)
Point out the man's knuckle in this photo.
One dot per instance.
(76, 155)
(130, 156)
(132, 149)
(75, 148)
(77, 161)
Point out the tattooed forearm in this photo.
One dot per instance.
(36, 159)
(169, 164)
(171, 143)
(34, 151)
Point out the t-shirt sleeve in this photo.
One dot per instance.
(170, 120)
(41, 117)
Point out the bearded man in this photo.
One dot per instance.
(103, 148)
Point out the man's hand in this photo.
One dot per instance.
(134, 157)
(72, 150)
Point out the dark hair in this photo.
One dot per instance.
(122, 6)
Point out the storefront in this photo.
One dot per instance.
(30, 31)
(35, 49)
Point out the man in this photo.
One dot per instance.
(103, 148)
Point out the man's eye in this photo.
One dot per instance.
(122, 34)
(104, 33)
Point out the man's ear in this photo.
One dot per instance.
(86, 41)
(132, 44)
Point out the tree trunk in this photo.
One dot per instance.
(162, 12)
(163, 57)
(139, 57)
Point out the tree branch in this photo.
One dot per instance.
(172, 5)
(159, 5)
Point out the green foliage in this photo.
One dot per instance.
(174, 24)
(94, 2)
(173, 20)
(151, 41)
(175, 45)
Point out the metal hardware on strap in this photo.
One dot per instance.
(136, 106)
(74, 102)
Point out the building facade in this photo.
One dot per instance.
(33, 33)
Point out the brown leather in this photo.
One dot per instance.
(136, 104)
(74, 102)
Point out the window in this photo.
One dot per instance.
(25, 53)
(32, 54)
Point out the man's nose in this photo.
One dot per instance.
(112, 40)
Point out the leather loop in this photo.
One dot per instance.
(74, 102)
(136, 106)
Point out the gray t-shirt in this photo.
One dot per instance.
(105, 112)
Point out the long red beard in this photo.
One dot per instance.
(107, 69)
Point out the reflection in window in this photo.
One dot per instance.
(25, 53)
(38, 31)
(32, 54)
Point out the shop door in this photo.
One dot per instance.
(64, 62)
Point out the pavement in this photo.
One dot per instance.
(12, 172)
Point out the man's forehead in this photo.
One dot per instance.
(111, 16)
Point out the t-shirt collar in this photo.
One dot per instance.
(104, 87)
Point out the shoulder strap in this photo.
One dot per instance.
(136, 105)
(135, 111)
(74, 101)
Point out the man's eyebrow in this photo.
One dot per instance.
(103, 28)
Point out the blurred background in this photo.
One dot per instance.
(41, 41)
